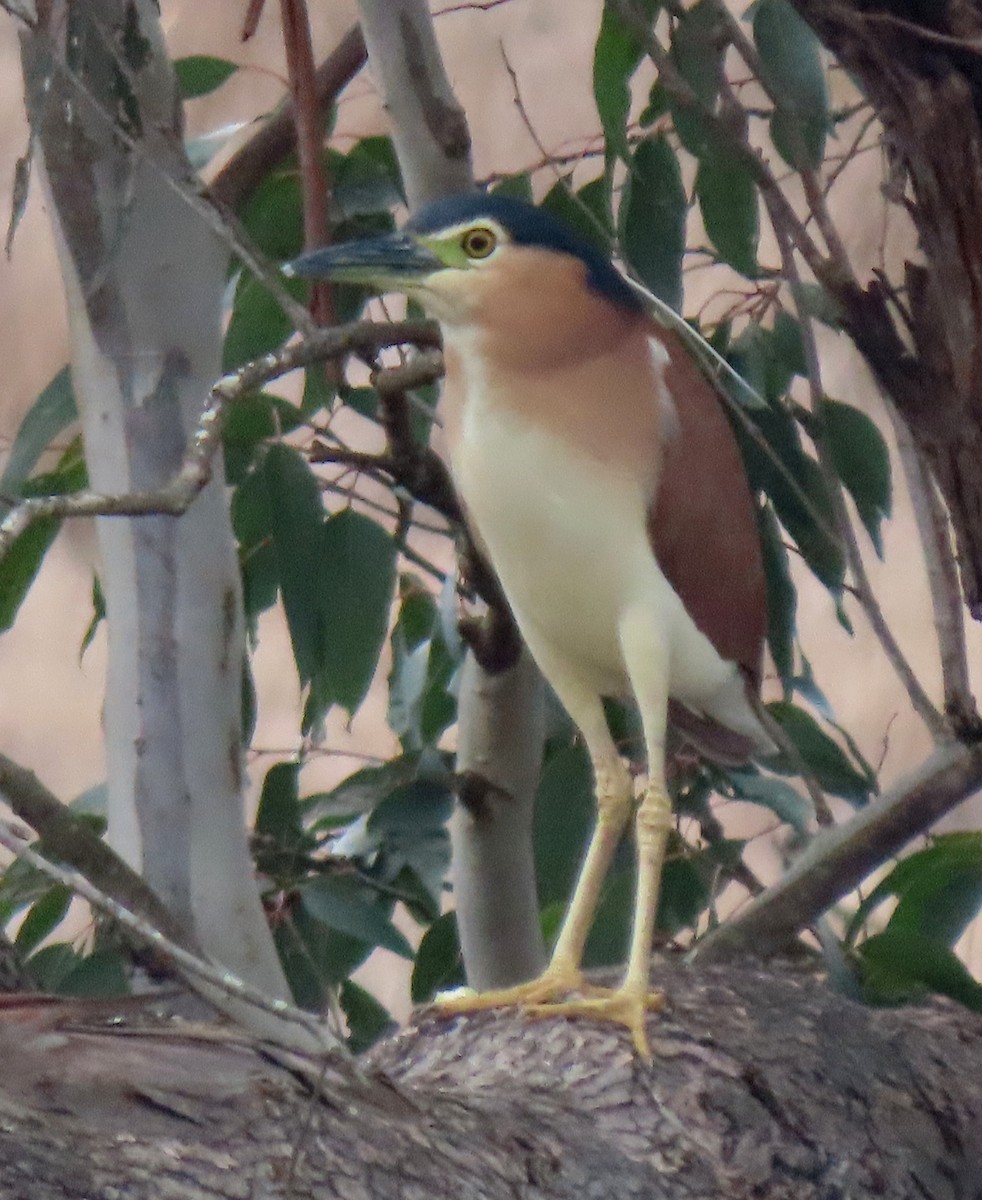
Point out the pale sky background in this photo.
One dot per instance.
(50, 701)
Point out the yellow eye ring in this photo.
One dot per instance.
(479, 242)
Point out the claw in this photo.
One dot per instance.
(625, 1006)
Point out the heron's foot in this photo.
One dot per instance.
(626, 1005)
(557, 980)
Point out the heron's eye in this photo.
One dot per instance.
(478, 243)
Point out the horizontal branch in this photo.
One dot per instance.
(839, 859)
(210, 980)
(365, 338)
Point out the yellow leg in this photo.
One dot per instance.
(647, 662)
(614, 793)
(563, 975)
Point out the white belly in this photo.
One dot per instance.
(569, 543)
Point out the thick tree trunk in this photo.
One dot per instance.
(763, 1085)
(144, 277)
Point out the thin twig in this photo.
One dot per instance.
(276, 139)
(362, 337)
(863, 589)
(196, 970)
(942, 575)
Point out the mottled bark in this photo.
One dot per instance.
(144, 277)
(763, 1085)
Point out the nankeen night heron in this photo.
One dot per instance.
(600, 476)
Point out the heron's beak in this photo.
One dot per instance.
(396, 261)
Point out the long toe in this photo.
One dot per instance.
(554, 982)
(626, 1006)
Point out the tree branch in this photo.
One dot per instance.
(277, 137)
(839, 859)
(212, 981)
(174, 498)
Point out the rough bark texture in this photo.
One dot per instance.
(925, 82)
(763, 1085)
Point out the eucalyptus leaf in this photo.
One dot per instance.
(792, 69)
(439, 963)
(296, 517)
(652, 219)
(774, 794)
(50, 414)
(20, 565)
(862, 461)
(901, 966)
(782, 596)
(352, 908)
(727, 194)
(823, 756)
(357, 582)
(201, 74)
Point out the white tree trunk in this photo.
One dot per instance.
(144, 277)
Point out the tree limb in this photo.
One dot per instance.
(839, 859)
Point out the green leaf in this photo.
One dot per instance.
(199, 74)
(697, 51)
(824, 758)
(792, 480)
(421, 700)
(684, 895)
(44, 916)
(727, 195)
(252, 521)
(776, 795)
(98, 616)
(101, 973)
(414, 808)
(585, 211)
(782, 596)
(564, 815)
(357, 574)
(251, 421)
(273, 215)
(819, 304)
(899, 966)
(368, 1020)
(296, 517)
(278, 815)
(939, 890)
(517, 187)
(50, 965)
(791, 67)
(367, 179)
(616, 56)
(258, 324)
(52, 412)
(360, 792)
(652, 220)
(353, 908)
(439, 963)
(789, 345)
(862, 461)
(21, 563)
(609, 937)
